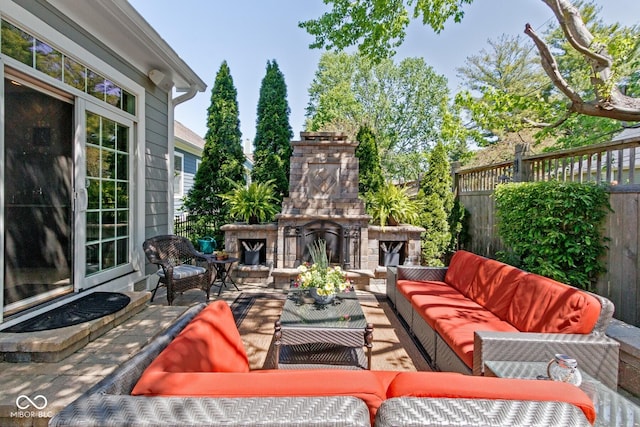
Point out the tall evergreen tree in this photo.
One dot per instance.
(273, 132)
(437, 200)
(223, 158)
(370, 177)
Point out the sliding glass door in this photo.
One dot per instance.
(38, 189)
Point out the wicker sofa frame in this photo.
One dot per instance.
(110, 403)
(596, 353)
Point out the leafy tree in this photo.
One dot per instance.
(436, 198)
(512, 91)
(370, 178)
(401, 103)
(222, 159)
(378, 27)
(273, 132)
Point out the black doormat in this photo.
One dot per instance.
(90, 307)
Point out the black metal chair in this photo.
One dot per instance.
(178, 261)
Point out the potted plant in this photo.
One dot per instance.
(392, 205)
(252, 253)
(254, 204)
(391, 252)
(322, 282)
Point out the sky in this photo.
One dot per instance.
(248, 33)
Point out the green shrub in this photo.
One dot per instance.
(256, 203)
(392, 205)
(554, 229)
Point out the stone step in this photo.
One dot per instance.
(54, 345)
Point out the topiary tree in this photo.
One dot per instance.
(370, 172)
(222, 159)
(436, 197)
(273, 132)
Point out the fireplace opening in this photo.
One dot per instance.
(253, 251)
(328, 231)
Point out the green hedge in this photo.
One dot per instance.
(554, 229)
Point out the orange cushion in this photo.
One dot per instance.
(409, 288)
(494, 285)
(453, 385)
(462, 270)
(445, 303)
(365, 385)
(209, 343)
(457, 330)
(544, 305)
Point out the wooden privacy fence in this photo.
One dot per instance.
(615, 163)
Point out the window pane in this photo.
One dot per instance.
(108, 195)
(122, 136)
(48, 60)
(95, 84)
(122, 251)
(93, 161)
(108, 225)
(17, 44)
(93, 226)
(74, 74)
(93, 194)
(122, 166)
(93, 258)
(108, 133)
(123, 195)
(113, 93)
(108, 164)
(123, 223)
(108, 255)
(128, 102)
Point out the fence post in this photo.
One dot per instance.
(455, 167)
(521, 169)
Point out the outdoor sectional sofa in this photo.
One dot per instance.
(479, 310)
(197, 373)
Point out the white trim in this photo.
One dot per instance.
(2, 200)
(178, 194)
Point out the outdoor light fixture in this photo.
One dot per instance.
(160, 79)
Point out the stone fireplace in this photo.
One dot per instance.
(323, 203)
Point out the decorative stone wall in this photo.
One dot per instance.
(234, 234)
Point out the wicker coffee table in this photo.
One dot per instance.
(333, 336)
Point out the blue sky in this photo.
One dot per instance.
(248, 33)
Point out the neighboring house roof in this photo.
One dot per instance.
(632, 132)
(188, 140)
(118, 25)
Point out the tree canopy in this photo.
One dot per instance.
(222, 159)
(273, 132)
(378, 27)
(404, 105)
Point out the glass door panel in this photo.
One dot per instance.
(38, 185)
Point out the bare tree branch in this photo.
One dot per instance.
(609, 102)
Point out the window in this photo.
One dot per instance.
(178, 175)
(45, 58)
(108, 201)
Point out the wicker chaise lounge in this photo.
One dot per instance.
(479, 309)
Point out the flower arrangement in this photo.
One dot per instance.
(326, 280)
